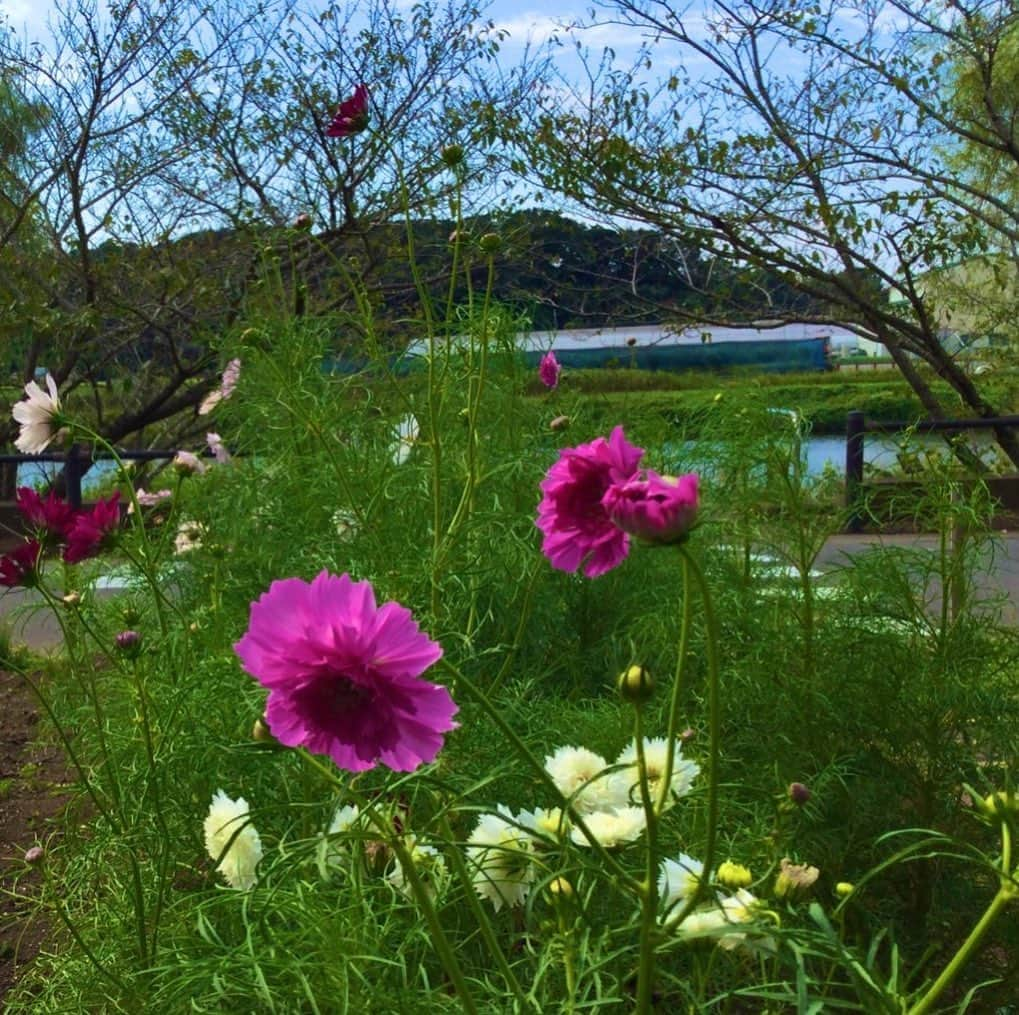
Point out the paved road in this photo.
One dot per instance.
(32, 624)
(997, 575)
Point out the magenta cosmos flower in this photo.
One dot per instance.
(352, 116)
(93, 531)
(20, 566)
(549, 370)
(51, 519)
(659, 509)
(344, 674)
(578, 530)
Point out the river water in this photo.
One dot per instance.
(880, 451)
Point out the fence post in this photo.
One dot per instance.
(72, 476)
(854, 469)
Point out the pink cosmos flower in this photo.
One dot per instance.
(93, 531)
(146, 499)
(189, 464)
(217, 447)
(549, 370)
(660, 509)
(352, 116)
(227, 383)
(19, 567)
(344, 674)
(578, 530)
(51, 519)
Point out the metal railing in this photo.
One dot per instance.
(76, 461)
(857, 428)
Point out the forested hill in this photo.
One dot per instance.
(553, 271)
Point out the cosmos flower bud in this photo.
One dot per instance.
(129, 642)
(798, 793)
(34, 855)
(844, 889)
(302, 221)
(261, 733)
(733, 875)
(631, 341)
(452, 155)
(490, 243)
(561, 888)
(559, 423)
(635, 685)
(1000, 806)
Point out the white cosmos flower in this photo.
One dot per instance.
(502, 857)
(346, 524)
(583, 778)
(612, 828)
(407, 434)
(344, 819)
(39, 415)
(677, 882)
(189, 537)
(430, 867)
(655, 750)
(231, 839)
(730, 911)
(548, 824)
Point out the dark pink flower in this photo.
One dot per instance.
(578, 530)
(19, 567)
(93, 531)
(51, 519)
(344, 674)
(549, 370)
(352, 116)
(660, 509)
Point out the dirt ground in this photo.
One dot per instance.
(33, 783)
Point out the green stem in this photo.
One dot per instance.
(479, 914)
(649, 887)
(714, 731)
(1005, 895)
(439, 940)
(677, 687)
(625, 879)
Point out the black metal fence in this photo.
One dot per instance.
(857, 428)
(77, 460)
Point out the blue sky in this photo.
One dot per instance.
(530, 23)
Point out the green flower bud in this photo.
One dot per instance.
(733, 875)
(452, 155)
(490, 243)
(635, 685)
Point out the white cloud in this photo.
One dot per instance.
(27, 16)
(534, 28)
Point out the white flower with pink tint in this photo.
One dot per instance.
(39, 416)
(217, 448)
